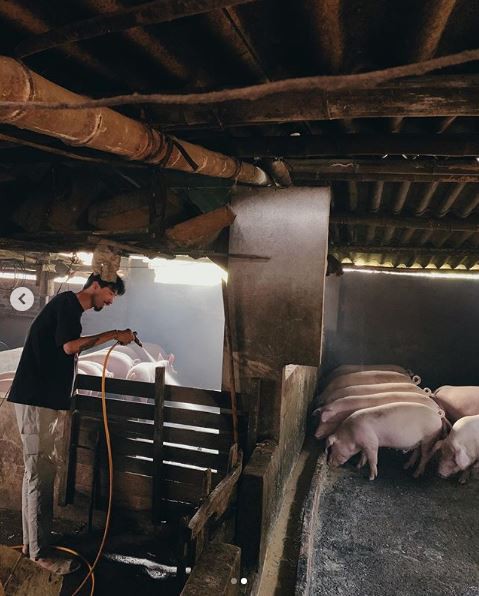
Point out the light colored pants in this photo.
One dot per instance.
(37, 428)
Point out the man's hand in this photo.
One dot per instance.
(125, 336)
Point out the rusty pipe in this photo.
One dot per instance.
(106, 130)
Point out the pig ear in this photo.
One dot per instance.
(325, 414)
(461, 458)
(330, 440)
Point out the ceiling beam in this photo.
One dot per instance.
(412, 170)
(457, 145)
(450, 95)
(149, 13)
(417, 223)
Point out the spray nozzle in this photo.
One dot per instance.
(136, 340)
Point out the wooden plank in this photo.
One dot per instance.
(120, 426)
(221, 442)
(194, 418)
(117, 407)
(136, 490)
(123, 447)
(127, 446)
(158, 447)
(196, 458)
(179, 491)
(143, 411)
(217, 501)
(117, 386)
(123, 463)
(129, 428)
(186, 475)
(201, 397)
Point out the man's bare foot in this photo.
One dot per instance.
(25, 552)
(58, 565)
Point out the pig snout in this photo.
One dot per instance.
(447, 467)
(339, 452)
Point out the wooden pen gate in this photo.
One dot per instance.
(164, 438)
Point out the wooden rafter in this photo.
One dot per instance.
(149, 13)
(457, 145)
(410, 170)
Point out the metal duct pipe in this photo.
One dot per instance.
(106, 130)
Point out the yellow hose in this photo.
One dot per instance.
(91, 568)
(110, 477)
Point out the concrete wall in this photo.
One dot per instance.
(429, 325)
(276, 310)
(276, 303)
(265, 476)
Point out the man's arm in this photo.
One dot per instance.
(75, 346)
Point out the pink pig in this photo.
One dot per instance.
(332, 414)
(458, 402)
(370, 389)
(365, 377)
(459, 452)
(400, 426)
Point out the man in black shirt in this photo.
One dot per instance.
(43, 385)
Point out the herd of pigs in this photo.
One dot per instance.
(125, 362)
(361, 408)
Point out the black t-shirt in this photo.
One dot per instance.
(45, 372)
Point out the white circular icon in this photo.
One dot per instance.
(22, 299)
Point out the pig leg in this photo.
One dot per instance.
(371, 452)
(413, 459)
(362, 461)
(426, 454)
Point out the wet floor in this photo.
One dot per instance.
(396, 535)
(132, 564)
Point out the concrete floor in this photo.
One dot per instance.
(396, 535)
(133, 563)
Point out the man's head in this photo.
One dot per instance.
(103, 292)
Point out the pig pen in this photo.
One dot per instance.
(394, 535)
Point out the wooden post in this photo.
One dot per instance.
(158, 443)
(229, 355)
(202, 537)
